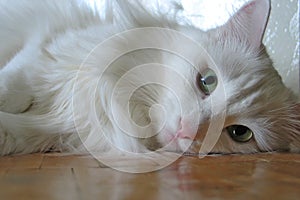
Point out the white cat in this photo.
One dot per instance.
(57, 92)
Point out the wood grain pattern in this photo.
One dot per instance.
(54, 176)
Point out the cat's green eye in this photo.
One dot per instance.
(207, 81)
(240, 133)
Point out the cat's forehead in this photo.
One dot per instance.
(247, 75)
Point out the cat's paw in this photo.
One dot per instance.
(14, 101)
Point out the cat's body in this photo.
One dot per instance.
(54, 95)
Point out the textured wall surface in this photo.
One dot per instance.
(282, 40)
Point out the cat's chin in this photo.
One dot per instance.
(181, 145)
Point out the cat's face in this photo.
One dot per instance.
(234, 95)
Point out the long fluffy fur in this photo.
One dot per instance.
(49, 103)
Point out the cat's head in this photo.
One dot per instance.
(225, 98)
(235, 87)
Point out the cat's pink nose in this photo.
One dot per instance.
(184, 131)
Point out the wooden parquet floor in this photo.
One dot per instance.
(56, 176)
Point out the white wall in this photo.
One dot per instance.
(282, 40)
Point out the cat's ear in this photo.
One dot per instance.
(249, 23)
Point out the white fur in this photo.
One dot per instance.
(49, 103)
